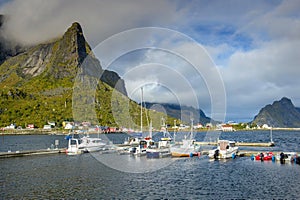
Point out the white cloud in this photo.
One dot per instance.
(255, 44)
(258, 77)
(34, 21)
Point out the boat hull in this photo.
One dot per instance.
(185, 152)
(223, 154)
(84, 145)
(265, 156)
(158, 153)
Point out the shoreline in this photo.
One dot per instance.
(66, 132)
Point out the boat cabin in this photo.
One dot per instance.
(225, 144)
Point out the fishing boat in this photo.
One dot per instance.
(226, 149)
(160, 149)
(188, 147)
(78, 145)
(138, 146)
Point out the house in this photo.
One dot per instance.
(30, 126)
(266, 126)
(198, 126)
(47, 127)
(12, 126)
(227, 127)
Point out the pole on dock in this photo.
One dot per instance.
(271, 135)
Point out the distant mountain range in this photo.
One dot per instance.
(184, 113)
(281, 113)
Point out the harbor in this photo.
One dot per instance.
(203, 152)
(90, 176)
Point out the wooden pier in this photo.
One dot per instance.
(31, 153)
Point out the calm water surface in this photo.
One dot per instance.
(84, 177)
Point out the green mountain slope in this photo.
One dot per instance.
(37, 86)
(280, 114)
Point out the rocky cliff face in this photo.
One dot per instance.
(280, 114)
(38, 85)
(58, 59)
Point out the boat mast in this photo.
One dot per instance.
(192, 126)
(163, 125)
(141, 109)
(174, 130)
(150, 129)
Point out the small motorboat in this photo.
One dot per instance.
(265, 156)
(138, 146)
(187, 149)
(286, 157)
(160, 150)
(226, 149)
(77, 145)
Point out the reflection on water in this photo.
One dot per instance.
(84, 177)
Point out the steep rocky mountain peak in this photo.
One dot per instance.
(281, 113)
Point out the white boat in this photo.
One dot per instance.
(77, 145)
(188, 147)
(286, 157)
(138, 146)
(226, 149)
(160, 150)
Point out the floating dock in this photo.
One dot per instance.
(31, 153)
(246, 153)
(245, 144)
(120, 146)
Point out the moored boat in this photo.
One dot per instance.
(138, 146)
(286, 157)
(226, 149)
(160, 150)
(77, 145)
(267, 156)
(188, 147)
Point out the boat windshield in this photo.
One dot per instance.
(232, 144)
(73, 142)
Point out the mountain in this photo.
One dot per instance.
(280, 114)
(185, 113)
(59, 80)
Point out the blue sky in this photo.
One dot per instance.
(253, 46)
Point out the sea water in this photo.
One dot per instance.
(85, 177)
